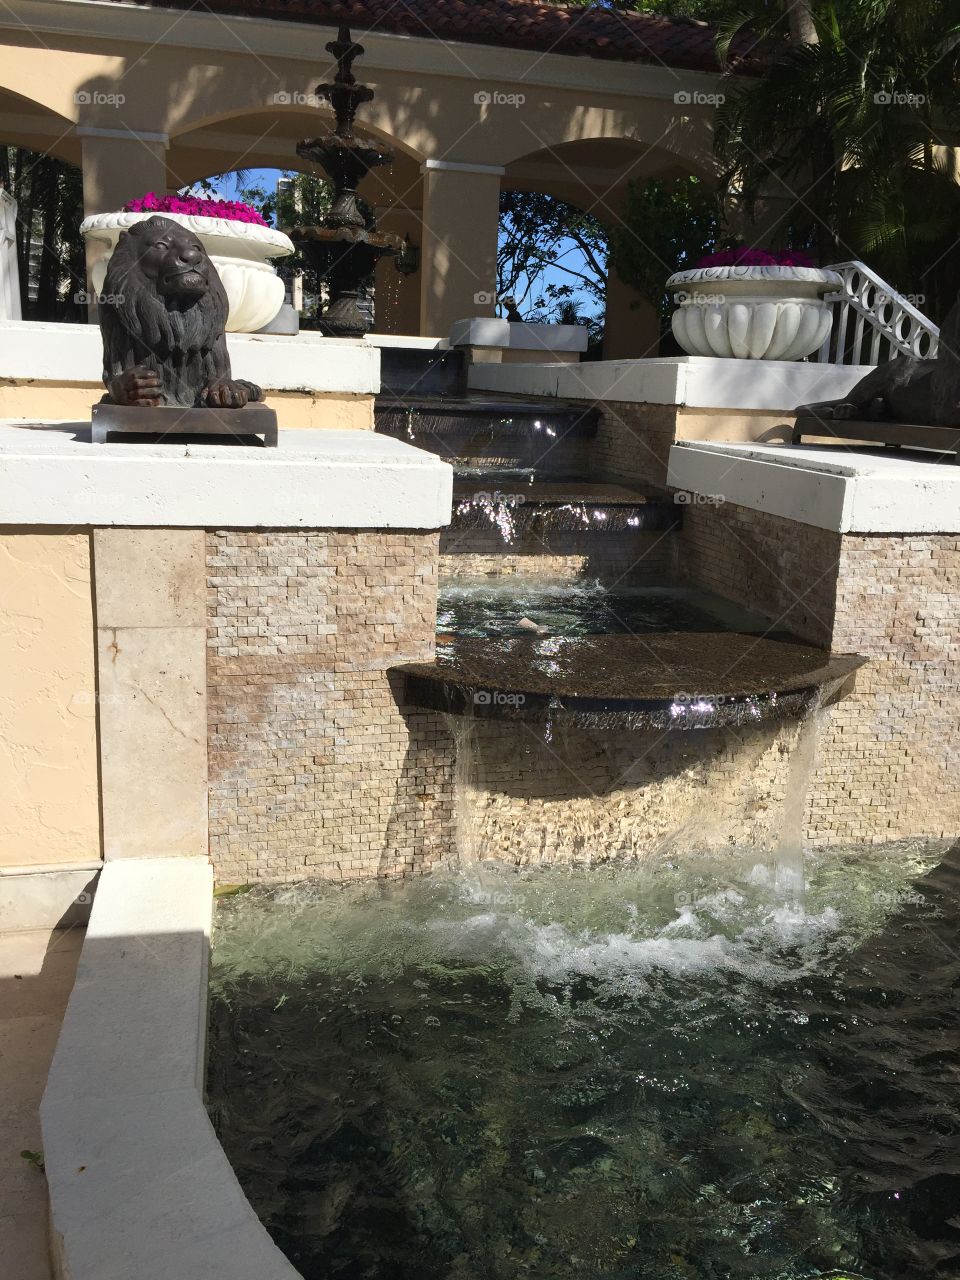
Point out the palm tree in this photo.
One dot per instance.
(853, 125)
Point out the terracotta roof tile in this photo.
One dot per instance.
(518, 24)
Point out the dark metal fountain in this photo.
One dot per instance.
(345, 249)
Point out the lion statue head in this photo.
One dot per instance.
(164, 310)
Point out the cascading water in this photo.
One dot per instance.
(556, 790)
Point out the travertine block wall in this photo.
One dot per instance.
(314, 770)
(633, 442)
(151, 650)
(889, 753)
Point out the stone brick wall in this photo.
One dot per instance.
(888, 753)
(633, 443)
(313, 770)
(610, 557)
(785, 569)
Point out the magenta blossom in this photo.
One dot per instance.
(745, 257)
(196, 207)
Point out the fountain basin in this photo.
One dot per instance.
(671, 680)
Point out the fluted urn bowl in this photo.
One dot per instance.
(240, 251)
(752, 313)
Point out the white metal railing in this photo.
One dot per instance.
(886, 324)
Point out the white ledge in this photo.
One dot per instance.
(484, 331)
(693, 382)
(58, 353)
(828, 488)
(461, 166)
(50, 474)
(139, 1185)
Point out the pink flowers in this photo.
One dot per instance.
(195, 207)
(744, 257)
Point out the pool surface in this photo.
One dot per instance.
(480, 608)
(622, 1073)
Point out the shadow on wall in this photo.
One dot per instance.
(556, 792)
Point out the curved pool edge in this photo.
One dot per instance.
(139, 1183)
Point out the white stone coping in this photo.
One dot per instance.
(406, 341)
(694, 382)
(58, 353)
(139, 1185)
(49, 896)
(486, 331)
(313, 480)
(828, 488)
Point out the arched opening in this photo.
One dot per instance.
(645, 210)
(49, 248)
(551, 262)
(39, 171)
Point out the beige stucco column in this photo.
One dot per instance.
(119, 165)
(461, 218)
(398, 296)
(632, 327)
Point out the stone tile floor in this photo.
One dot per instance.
(37, 970)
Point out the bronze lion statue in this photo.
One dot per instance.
(924, 392)
(162, 318)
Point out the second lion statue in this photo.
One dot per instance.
(924, 392)
(163, 314)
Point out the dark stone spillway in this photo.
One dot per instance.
(671, 680)
(547, 505)
(409, 418)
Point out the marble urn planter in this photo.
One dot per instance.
(752, 313)
(241, 252)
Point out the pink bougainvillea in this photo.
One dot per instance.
(195, 207)
(745, 257)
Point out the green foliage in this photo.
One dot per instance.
(542, 236)
(50, 251)
(665, 226)
(35, 1158)
(304, 200)
(849, 126)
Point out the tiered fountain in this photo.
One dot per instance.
(345, 249)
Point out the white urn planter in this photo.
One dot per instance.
(752, 313)
(240, 251)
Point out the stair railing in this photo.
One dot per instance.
(886, 324)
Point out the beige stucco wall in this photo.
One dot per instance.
(71, 401)
(48, 740)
